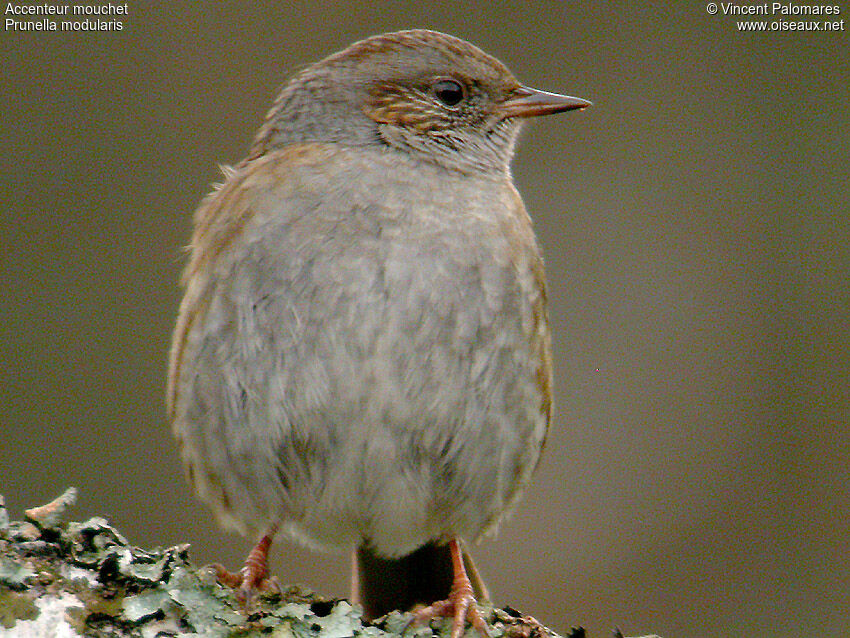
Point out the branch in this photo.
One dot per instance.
(85, 579)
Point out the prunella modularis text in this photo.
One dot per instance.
(362, 353)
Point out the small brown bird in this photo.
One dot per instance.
(361, 358)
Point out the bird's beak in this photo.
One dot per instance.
(527, 102)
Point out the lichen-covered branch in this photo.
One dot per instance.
(84, 579)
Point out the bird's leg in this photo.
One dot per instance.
(254, 576)
(461, 603)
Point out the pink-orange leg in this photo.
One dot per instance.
(254, 576)
(461, 603)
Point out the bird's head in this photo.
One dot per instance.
(419, 92)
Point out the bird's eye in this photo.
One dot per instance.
(449, 92)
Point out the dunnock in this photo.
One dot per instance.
(362, 354)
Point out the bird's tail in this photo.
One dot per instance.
(425, 576)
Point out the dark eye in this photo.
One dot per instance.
(449, 92)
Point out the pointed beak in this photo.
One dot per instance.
(527, 102)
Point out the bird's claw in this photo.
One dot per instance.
(460, 607)
(247, 582)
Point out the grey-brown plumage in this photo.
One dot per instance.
(361, 358)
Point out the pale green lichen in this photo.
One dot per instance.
(146, 605)
(13, 574)
(4, 517)
(49, 515)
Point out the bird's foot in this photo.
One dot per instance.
(460, 608)
(461, 605)
(253, 577)
(246, 582)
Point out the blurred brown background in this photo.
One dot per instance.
(695, 224)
